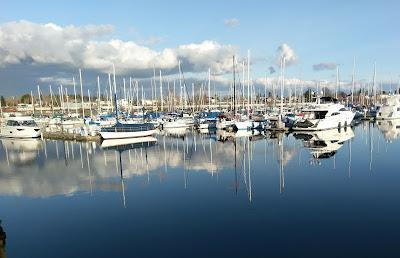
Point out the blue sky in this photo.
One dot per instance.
(317, 31)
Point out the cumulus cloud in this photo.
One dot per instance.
(324, 66)
(286, 51)
(56, 80)
(32, 43)
(232, 22)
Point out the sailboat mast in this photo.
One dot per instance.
(76, 102)
(234, 89)
(98, 96)
(353, 80)
(282, 82)
(374, 83)
(51, 99)
(115, 94)
(209, 89)
(161, 93)
(80, 80)
(40, 100)
(248, 80)
(90, 103)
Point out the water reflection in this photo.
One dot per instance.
(21, 152)
(390, 129)
(325, 144)
(44, 168)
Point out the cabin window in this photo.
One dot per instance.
(320, 114)
(28, 123)
(342, 109)
(12, 123)
(335, 113)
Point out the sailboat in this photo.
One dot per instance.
(120, 130)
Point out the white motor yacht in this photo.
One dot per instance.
(390, 108)
(327, 113)
(20, 127)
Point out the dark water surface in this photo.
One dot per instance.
(327, 194)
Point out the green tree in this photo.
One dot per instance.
(26, 99)
(308, 95)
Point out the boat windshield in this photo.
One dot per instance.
(320, 114)
(31, 123)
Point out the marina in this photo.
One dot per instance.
(199, 129)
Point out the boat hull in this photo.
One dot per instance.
(20, 132)
(123, 135)
(246, 125)
(338, 121)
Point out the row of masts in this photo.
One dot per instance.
(201, 98)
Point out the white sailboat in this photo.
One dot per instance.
(120, 131)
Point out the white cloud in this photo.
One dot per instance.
(27, 42)
(56, 80)
(286, 51)
(232, 22)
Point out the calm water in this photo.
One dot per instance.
(331, 194)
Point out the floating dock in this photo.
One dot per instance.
(70, 137)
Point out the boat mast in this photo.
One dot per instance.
(98, 96)
(234, 90)
(110, 94)
(124, 90)
(248, 81)
(374, 83)
(209, 89)
(76, 103)
(66, 96)
(283, 60)
(265, 92)
(80, 81)
(51, 99)
(115, 95)
(180, 83)
(155, 85)
(353, 80)
(161, 93)
(90, 104)
(33, 105)
(40, 100)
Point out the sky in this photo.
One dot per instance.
(46, 42)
